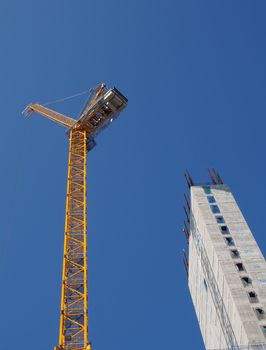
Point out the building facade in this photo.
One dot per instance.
(227, 272)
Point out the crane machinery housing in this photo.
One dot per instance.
(103, 108)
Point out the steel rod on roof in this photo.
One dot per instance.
(187, 201)
(187, 215)
(186, 232)
(212, 177)
(185, 260)
(190, 178)
(218, 177)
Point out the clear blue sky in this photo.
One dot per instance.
(194, 74)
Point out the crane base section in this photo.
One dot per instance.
(88, 347)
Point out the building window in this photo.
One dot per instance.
(211, 199)
(263, 328)
(207, 189)
(215, 209)
(220, 219)
(260, 313)
(246, 281)
(240, 267)
(229, 241)
(253, 298)
(205, 285)
(235, 253)
(224, 230)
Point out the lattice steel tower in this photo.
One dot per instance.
(103, 108)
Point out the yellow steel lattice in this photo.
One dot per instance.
(73, 332)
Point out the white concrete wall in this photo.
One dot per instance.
(244, 321)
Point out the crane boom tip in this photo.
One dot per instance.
(27, 111)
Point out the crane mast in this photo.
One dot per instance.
(73, 331)
(103, 108)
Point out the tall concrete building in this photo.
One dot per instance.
(227, 272)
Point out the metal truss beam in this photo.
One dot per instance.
(73, 333)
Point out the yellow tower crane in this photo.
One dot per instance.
(103, 108)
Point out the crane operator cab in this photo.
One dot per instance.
(101, 114)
